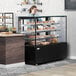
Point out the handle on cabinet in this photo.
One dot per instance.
(38, 48)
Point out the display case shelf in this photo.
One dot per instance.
(38, 31)
(41, 38)
(42, 23)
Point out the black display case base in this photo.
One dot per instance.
(44, 54)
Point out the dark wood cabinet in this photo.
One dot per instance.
(11, 49)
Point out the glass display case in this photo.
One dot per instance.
(45, 38)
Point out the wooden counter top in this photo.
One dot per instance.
(10, 35)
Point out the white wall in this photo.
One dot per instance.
(50, 7)
(72, 33)
(57, 7)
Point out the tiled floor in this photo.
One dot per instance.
(23, 69)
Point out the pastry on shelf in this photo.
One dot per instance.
(40, 36)
(45, 21)
(45, 43)
(52, 21)
(54, 40)
(33, 42)
(30, 23)
(52, 28)
(31, 36)
(40, 27)
(46, 27)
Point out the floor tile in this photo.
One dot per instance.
(3, 71)
(4, 74)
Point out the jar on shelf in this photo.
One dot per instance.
(14, 30)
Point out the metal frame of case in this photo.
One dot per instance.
(38, 54)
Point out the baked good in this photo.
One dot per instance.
(6, 33)
(45, 43)
(33, 42)
(54, 40)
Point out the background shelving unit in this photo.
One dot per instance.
(7, 19)
(26, 4)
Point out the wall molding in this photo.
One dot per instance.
(72, 57)
(12, 65)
